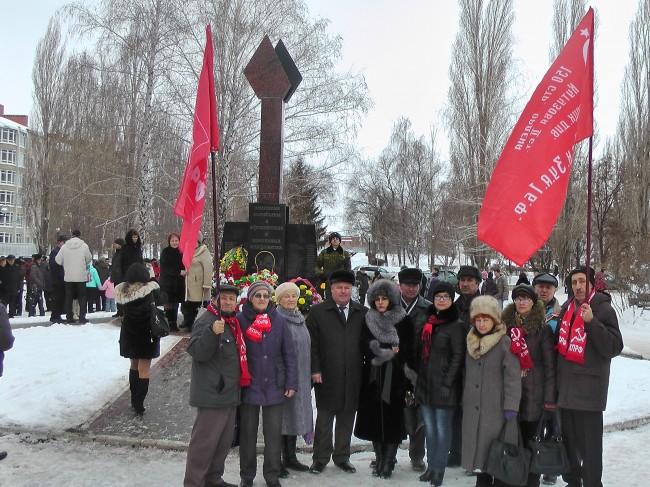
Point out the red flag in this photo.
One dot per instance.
(205, 138)
(529, 183)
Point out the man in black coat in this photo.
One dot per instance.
(410, 283)
(335, 327)
(13, 283)
(588, 339)
(57, 275)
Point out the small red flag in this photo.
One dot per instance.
(205, 138)
(529, 183)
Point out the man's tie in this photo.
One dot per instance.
(342, 311)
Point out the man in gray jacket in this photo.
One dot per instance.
(75, 256)
(502, 286)
(219, 370)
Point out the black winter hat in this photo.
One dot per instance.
(410, 275)
(226, 288)
(342, 276)
(469, 271)
(444, 287)
(545, 278)
(583, 270)
(334, 235)
(525, 290)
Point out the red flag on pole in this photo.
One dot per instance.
(529, 183)
(205, 138)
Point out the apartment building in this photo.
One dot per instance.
(15, 237)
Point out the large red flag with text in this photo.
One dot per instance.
(205, 138)
(529, 183)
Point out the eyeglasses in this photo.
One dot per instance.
(261, 296)
(522, 299)
(441, 297)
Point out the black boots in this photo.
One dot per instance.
(387, 465)
(133, 385)
(484, 480)
(379, 457)
(426, 476)
(172, 318)
(289, 458)
(436, 478)
(138, 395)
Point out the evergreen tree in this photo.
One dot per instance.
(301, 195)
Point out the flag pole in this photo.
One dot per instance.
(589, 203)
(215, 223)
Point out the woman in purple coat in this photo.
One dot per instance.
(272, 365)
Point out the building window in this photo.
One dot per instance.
(19, 220)
(19, 238)
(7, 197)
(7, 177)
(6, 219)
(23, 139)
(8, 136)
(5, 237)
(7, 156)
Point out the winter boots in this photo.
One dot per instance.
(289, 458)
(379, 456)
(386, 459)
(172, 318)
(139, 388)
(133, 385)
(436, 478)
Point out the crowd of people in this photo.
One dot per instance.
(449, 372)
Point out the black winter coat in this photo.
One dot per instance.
(489, 288)
(116, 268)
(135, 335)
(13, 279)
(130, 254)
(378, 420)
(584, 387)
(463, 304)
(336, 354)
(444, 367)
(171, 281)
(538, 385)
(57, 274)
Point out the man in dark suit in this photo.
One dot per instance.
(335, 326)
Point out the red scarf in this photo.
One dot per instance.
(261, 325)
(519, 347)
(427, 332)
(233, 323)
(572, 340)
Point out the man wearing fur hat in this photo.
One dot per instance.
(219, 371)
(415, 306)
(588, 338)
(335, 327)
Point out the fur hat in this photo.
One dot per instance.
(485, 305)
(410, 275)
(383, 287)
(284, 288)
(342, 276)
(259, 286)
(525, 290)
(469, 271)
(545, 278)
(444, 287)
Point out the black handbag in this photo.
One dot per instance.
(549, 455)
(159, 323)
(508, 461)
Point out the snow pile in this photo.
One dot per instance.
(59, 376)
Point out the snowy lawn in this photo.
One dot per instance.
(33, 462)
(57, 377)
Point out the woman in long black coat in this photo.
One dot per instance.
(138, 295)
(132, 250)
(386, 344)
(172, 279)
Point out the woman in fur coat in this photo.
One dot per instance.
(137, 295)
(533, 344)
(172, 278)
(387, 345)
(492, 386)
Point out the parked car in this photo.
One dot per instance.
(370, 271)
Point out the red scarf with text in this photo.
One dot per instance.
(427, 331)
(261, 325)
(235, 328)
(519, 347)
(572, 340)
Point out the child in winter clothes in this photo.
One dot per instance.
(92, 289)
(492, 386)
(109, 291)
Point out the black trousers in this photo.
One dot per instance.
(583, 433)
(323, 447)
(102, 300)
(11, 299)
(75, 290)
(189, 309)
(249, 419)
(416, 440)
(456, 438)
(58, 300)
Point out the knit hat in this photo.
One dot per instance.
(583, 270)
(545, 278)
(285, 288)
(410, 275)
(485, 305)
(342, 276)
(469, 271)
(524, 290)
(444, 287)
(259, 286)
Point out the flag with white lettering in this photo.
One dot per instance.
(529, 184)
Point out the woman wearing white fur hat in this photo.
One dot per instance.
(492, 385)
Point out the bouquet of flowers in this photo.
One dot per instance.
(308, 294)
(233, 264)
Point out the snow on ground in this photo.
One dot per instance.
(57, 377)
(34, 461)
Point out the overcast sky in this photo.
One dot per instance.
(401, 47)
